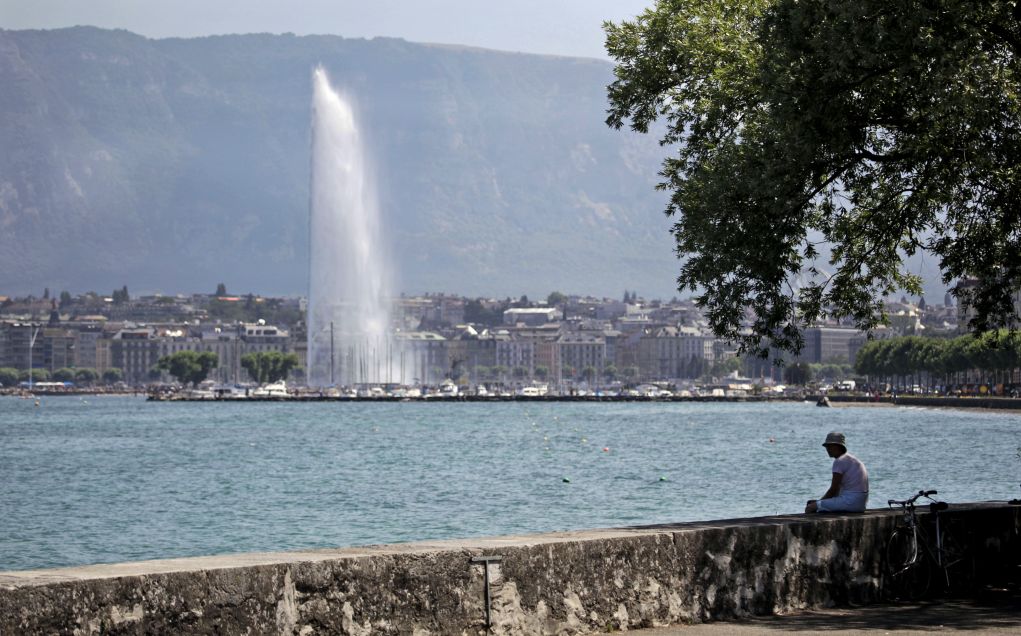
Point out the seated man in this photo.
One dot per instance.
(849, 491)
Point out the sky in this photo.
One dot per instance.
(556, 27)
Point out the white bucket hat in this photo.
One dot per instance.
(836, 438)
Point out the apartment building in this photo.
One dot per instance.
(135, 352)
(421, 357)
(582, 349)
(674, 352)
(825, 344)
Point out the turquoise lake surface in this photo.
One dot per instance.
(110, 479)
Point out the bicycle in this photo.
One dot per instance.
(911, 555)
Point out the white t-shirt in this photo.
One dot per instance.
(855, 477)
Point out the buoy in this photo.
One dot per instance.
(772, 440)
(662, 478)
(606, 449)
(566, 480)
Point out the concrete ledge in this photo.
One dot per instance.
(560, 583)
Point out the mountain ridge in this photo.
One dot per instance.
(177, 163)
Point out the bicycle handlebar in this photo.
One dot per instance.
(911, 500)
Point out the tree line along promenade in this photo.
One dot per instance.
(92, 339)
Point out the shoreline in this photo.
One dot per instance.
(992, 404)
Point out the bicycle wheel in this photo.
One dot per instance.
(907, 567)
(957, 573)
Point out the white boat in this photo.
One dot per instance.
(274, 389)
(407, 392)
(448, 389)
(536, 389)
(229, 391)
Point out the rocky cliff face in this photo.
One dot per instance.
(176, 164)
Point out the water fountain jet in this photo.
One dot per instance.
(348, 300)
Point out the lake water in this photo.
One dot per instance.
(109, 479)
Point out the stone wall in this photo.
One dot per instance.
(974, 402)
(563, 583)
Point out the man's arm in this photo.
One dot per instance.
(834, 487)
(832, 492)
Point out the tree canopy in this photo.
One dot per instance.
(269, 366)
(189, 367)
(8, 376)
(113, 374)
(85, 375)
(556, 298)
(910, 355)
(816, 143)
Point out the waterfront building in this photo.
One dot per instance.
(674, 352)
(224, 345)
(421, 357)
(229, 348)
(104, 355)
(828, 344)
(582, 349)
(86, 336)
(228, 343)
(525, 346)
(625, 350)
(135, 352)
(470, 350)
(262, 337)
(547, 356)
(516, 351)
(58, 346)
(16, 337)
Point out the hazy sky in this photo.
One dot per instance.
(561, 27)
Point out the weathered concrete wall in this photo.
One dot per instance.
(564, 583)
(1001, 403)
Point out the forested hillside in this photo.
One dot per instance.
(176, 164)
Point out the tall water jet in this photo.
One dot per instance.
(348, 296)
